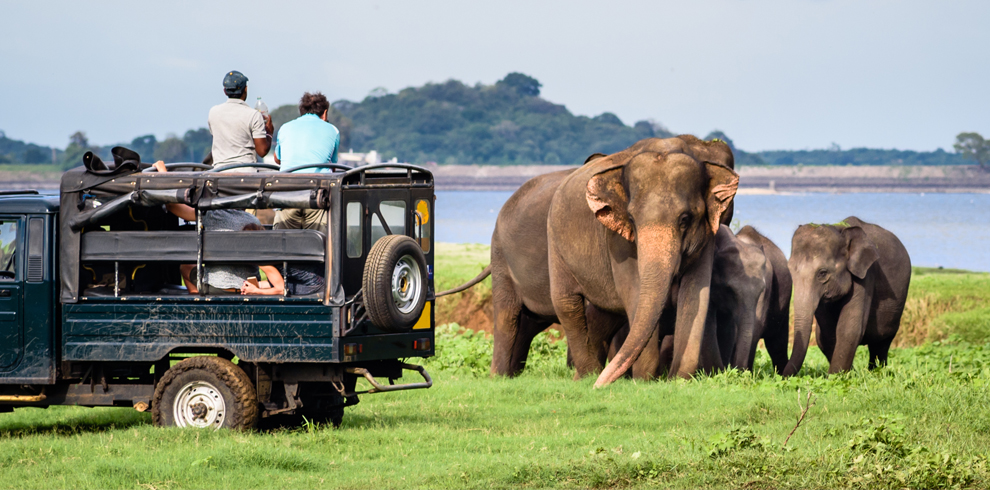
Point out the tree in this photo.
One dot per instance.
(144, 146)
(78, 146)
(522, 84)
(198, 142)
(972, 146)
(172, 150)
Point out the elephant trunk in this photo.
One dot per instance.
(805, 305)
(744, 341)
(657, 265)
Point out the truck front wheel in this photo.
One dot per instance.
(205, 391)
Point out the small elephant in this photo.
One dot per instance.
(775, 326)
(852, 277)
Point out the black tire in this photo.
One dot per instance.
(211, 392)
(395, 258)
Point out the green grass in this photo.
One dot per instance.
(913, 424)
(921, 422)
(456, 264)
(946, 302)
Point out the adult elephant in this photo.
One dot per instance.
(852, 277)
(621, 231)
(519, 267)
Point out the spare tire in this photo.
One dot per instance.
(395, 283)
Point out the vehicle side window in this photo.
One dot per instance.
(354, 234)
(8, 250)
(394, 213)
(422, 222)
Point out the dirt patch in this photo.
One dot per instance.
(471, 309)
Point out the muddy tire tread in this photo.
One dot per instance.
(245, 413)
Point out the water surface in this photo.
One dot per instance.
(948, 230)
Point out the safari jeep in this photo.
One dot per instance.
(93, 310)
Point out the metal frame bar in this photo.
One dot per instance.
(380, 388)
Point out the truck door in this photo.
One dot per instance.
(11, 288)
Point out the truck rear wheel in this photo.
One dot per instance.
(205, 391)
(395, 283)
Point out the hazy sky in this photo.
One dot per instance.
(788, 74)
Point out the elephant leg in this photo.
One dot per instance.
(616, 343)
(849, 330)
(603, 329)
(571, 313)
(666, 355)
(775, 339)
(510, 346)
(776, 345)
(878, 353)
(695, 341)
(827, 320)
(648, 365)
(726, 333)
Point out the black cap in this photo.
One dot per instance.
(234, 82)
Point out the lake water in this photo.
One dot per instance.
(948, 230)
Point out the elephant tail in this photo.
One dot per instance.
(480, 277)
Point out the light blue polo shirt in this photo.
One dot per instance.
(307, 140)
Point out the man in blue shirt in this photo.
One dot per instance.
(307, 140)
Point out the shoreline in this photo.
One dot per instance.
(752, 180)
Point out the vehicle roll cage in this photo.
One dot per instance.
(92, 200)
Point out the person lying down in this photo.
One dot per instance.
(226, 278)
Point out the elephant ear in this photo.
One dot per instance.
(861, 252)
(722, 187)
(608, 199)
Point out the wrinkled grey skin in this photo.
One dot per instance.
(750, 300)
(741, 281)
(521, 277)
(853, 279)
(776, 325)
(622, 230)
(520, 272)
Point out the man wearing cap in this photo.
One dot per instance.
(239, 132)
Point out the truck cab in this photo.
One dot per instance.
(94, 311)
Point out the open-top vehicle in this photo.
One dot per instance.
(93, 313)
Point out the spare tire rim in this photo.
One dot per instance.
(407, 282)
(199, 404)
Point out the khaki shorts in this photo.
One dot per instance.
(301, 219)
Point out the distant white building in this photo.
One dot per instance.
(350, 158)
(361, 159)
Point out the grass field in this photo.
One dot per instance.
(921, 422)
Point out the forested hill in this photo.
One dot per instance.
(505, 123)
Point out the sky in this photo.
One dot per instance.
(794, 74)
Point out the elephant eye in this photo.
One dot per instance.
(684, 221)
(822, 275)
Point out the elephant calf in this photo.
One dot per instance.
(852, 277)
(751, 294)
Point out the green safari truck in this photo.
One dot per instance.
(94, 311)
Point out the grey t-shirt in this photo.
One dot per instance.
(228, 276)
(234, 126)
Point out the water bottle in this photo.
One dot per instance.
(261, 107)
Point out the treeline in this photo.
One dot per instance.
(506, 123)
